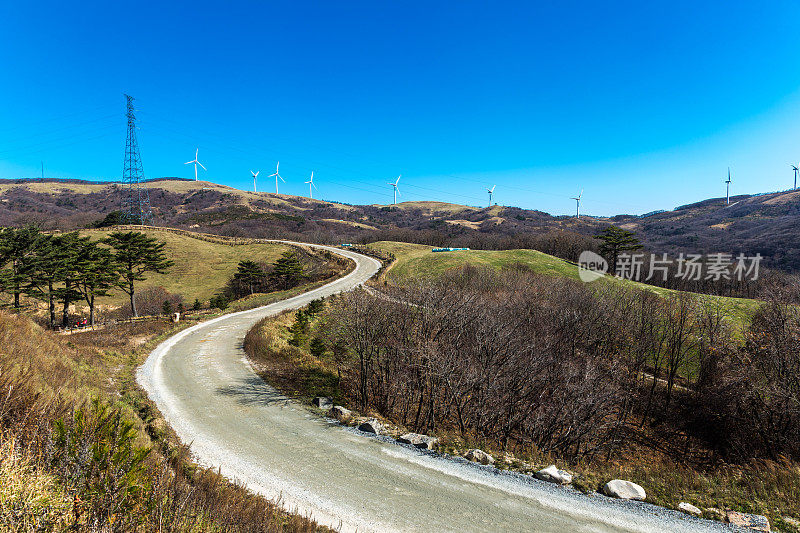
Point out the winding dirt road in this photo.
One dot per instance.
(204, 386)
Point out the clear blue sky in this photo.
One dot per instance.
(642, 104)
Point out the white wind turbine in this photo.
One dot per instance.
(491, 192)
(196, 162)
(394, 187)
(578, 204)
(277, 175)
(311, 184)
(728, 188)
(255, 175)
(796, 170)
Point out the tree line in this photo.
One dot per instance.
(571, 368)
(63, 269)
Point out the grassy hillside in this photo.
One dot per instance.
(201, 267)
(417, 261)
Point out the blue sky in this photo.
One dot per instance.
(643, 105)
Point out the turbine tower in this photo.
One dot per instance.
(277, 175)
(255, 175)
(728, 188)
(394, 187)
(311, 184)
(794, 167)
(491, 192)
(135, 197)
(196, 162)
(578, 204)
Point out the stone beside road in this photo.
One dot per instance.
(756, 522)
(371, 426)
(340, 413)
(420, 441)
(552, 474)
(479, 456)
(323, 402)
(690, 509)
(624, 490)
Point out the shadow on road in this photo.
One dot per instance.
(253, 391)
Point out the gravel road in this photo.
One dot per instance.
(204, 386)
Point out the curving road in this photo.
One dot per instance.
(205, 388)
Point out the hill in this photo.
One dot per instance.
(764, 224)
(200, 268)
(415, 261)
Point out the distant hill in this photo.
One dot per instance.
(765, 224)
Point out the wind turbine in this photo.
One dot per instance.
(394, 186)
(491, 191)
(196, 162)
(728, 188)
(255, 174)
(578, 204)
(311, 184)
(796, 170)
(277, 175)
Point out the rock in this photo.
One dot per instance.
(690, 509)
(715, 513)
(420, 441)
(791, 521)
(479, 456)
(756, 522)
(551, 474)
(340, 413)
(323, 402)
(625, 490)
(371, 426)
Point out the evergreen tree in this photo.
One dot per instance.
(288, 271)
(45, 269)
(16, 245)
(315, 307)
(136, 254)
(69, 246)
(317, 347)
(95, 272)
(249, 275)
(614, 241)
(299, 329)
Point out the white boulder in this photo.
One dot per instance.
(552, 474)
(624, 490)
(371, 426)
(479, 456)
(420, 441)
(690, 509)
(323, 402)
(340, 413)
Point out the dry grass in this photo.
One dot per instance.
(30, 498)
(201, 268)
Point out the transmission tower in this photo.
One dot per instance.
(135, 197)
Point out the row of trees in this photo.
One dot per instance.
(69, 268)
(571, 368)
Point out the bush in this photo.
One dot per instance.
(152, 301)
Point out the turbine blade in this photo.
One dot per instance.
(188, 162)
(201, 164)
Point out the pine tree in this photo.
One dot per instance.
(45, 269)
(15, 246)
(616, 240)
(288, 271)
(136, 254)
(95, 273)
(250, 275)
